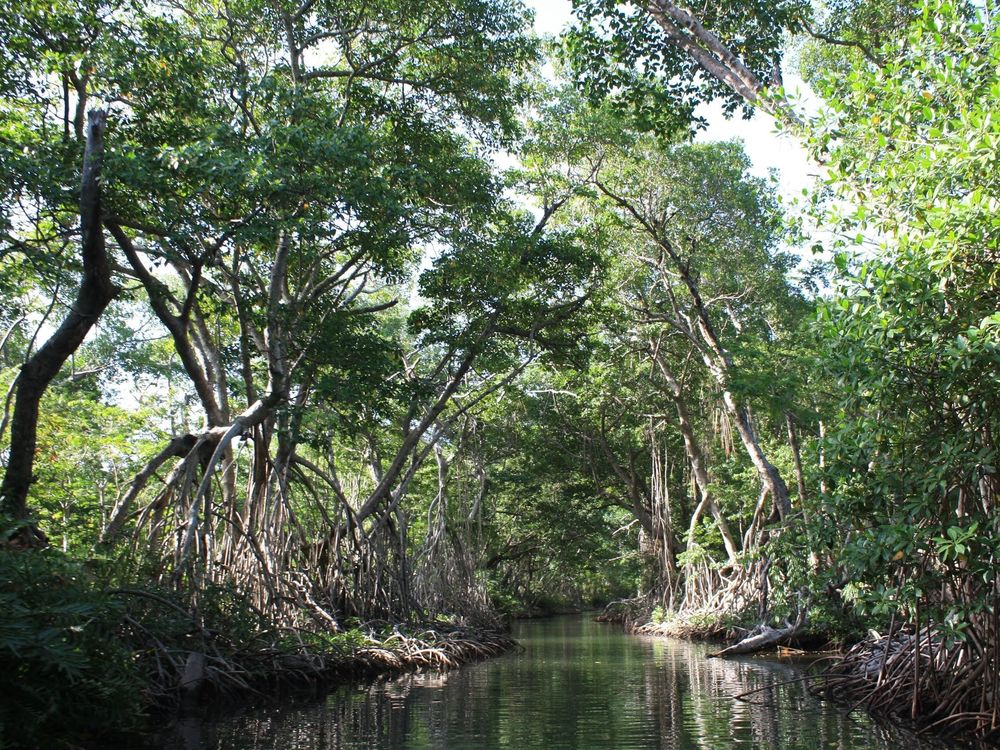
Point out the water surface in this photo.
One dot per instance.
(575, 684)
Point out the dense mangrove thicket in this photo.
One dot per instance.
(298, 381)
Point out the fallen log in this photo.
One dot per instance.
(760, 638)
(764, 637)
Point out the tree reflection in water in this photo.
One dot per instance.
(576, 684)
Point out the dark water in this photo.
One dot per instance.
(575, 684)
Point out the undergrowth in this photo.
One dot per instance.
(63, 670)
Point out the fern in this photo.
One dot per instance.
(64, 673)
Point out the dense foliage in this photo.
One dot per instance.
(912, 336)
(58, 643)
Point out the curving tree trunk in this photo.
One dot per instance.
(95, 292)
(700, 331)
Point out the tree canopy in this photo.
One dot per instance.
(324, 314)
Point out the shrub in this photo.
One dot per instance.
(64, 673)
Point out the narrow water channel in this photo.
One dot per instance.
(575, 685)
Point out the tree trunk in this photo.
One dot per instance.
(760, 640)
(688, 35)
(769, 475)
(800, 480)
(685, 32)
(95, 292)
(195, 360)
(793, 443)
(696, 458)
(663, 522)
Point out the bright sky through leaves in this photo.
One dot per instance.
(766, 149)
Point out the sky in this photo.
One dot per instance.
(766, 149)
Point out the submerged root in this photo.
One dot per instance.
(920, 679)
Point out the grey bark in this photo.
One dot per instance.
(696, 458)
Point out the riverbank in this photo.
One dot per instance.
(636, 618)
(706, 628)
(86, 659)
(917, 681)
(319, 660)
(294, 662)
(312, 663)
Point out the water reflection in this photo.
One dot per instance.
(576, 684)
